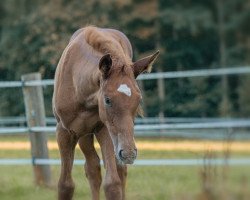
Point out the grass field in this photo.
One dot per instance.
(144, 182)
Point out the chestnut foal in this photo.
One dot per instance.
(96, 93)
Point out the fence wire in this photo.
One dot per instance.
(148, 162)
(164, 75)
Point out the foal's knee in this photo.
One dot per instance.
(65, 190)
(113, 189)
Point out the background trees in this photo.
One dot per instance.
(190, 34)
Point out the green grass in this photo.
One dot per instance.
(144, 182)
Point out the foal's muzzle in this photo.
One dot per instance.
(127, 156)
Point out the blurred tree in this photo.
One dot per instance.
(189, 36)
(34, 35)
(225, 105)
(244, 97)
(238, 52)
(233, 18)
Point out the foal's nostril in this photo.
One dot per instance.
(120, 155)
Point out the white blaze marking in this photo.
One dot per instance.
(123, 88)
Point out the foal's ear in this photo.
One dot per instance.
(144, 64)
(105, 65)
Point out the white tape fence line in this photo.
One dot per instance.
(195, 73)
(161, 75)
(221, 130)
(145, 120)
(147, 162)
(204, 125)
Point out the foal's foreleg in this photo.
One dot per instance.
(66, 142)
(122, 171)
(112, 182)
(92, 165)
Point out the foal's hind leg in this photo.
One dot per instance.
(92, 165)
(66, 142)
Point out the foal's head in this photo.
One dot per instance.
(119, 101)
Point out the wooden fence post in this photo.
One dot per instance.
(35, 114)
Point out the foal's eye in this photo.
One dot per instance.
(107, 101)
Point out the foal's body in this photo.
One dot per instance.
(82, 108)
(77, 73)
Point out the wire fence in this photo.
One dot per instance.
(144, 127)
(161, 75)
(21, 120)
(147, 162)
(157, 127)
(213, 130)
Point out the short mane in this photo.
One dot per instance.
(104, 43)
